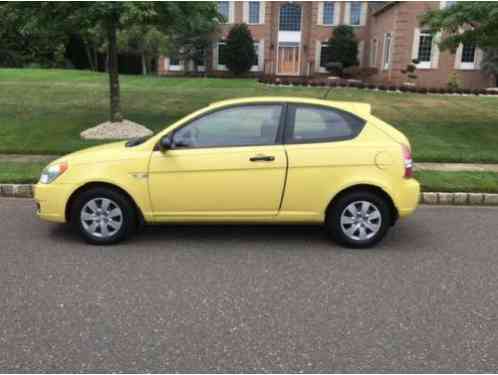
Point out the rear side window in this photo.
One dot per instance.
(308, 124)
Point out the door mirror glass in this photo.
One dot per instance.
(165, 143)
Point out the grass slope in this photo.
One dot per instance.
(43, 111)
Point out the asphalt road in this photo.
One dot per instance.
(250, 298)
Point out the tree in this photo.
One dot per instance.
(472, 22)
(110, 17)
(489, 63)
(240, 54)
(190, 39)
(342, 48)
(146, 41)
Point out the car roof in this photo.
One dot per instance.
(359, 109)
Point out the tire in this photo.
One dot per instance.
(110, 216)
(363, 230)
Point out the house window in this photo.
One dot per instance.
(290, 17)
(254, 11)
(328, 12)
(173, 60)
(324, 55)
(424, 47)
(355, 13)
(449, 3)
(221, 53)
(373, 52)
(224, 10)
(387, 50)
(468, 53)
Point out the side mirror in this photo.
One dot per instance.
(165, 143)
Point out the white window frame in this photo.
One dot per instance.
(363, 13)
(318, 54)
(249, 13)
(259, 46)
(387, 64)
(173, 68)
(434, 60)
(216, 56)
(476, 65)
(231, 12)
(444, 4)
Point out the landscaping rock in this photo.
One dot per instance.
(116, 130)
(430, 198)
(460, 198)
(491, 199)
(445, 198)
(476, 198)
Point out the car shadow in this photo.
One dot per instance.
(295, 236)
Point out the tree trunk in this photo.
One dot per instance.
(89, 56)
(144, 65)
(116, 115)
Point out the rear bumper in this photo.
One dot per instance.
(51, 201)
(409, 197)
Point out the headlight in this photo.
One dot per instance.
(50, 173)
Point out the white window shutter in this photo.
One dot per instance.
(215, 56)
(245, 12)
(262, 12)
(360, 53)
(337, 13)
(458, 56)
(363, 16)
(416, 43)
(318, 50)
(261, 55)
(435, 51)
(319, 20)
(478, 58)
(347, 13)
(231, 12)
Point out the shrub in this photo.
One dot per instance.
(240, 54)
(343, 47)
(359, 72)
(454, 82)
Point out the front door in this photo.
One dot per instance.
(225, 164)
(288, 60)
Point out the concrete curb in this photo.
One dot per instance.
(443, 199)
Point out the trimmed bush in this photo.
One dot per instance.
(240, 54)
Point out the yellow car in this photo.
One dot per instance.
(256, 160)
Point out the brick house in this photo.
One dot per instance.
(291, 40)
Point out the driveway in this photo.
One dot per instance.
(251, 298)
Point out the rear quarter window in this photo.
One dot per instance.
(308, 124)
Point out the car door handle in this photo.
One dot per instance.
(262, 158)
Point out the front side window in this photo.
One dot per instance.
(318, 124)
(224, 9)
(328, 12)
(254, 11)
(290, 17)
(468, 53)
(237, 126)
(425, 47)
(355, 13)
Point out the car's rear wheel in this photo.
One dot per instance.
(103, 216)
(359, 219)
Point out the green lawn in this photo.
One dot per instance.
(485, 182)
(43, 111)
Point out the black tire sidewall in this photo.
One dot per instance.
(129, 215)
(333, 218)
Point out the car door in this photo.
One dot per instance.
(225, 164)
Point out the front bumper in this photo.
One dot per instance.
(51, 200)
(409, 197)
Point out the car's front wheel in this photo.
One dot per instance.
(359, 219)
(103, 216)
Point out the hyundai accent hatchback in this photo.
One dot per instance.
(257, 160)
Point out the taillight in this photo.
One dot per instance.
(408, 161)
